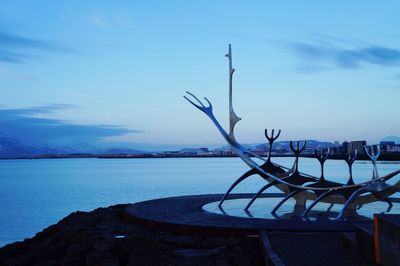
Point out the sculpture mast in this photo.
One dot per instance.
(233, 118)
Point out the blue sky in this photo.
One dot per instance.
(117, 70)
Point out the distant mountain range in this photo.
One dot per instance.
(15, 148)
(392, 138)
(11, 148)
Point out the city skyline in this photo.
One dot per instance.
(109, 73)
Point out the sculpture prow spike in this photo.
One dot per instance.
(233, 118)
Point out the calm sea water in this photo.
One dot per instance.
(37, 193)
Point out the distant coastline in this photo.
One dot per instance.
(383, 157)
(12, 148)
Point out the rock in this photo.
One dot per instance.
(233, 241)
(73, 256)
(102, 237)
(181, 241)
(100, 245)
(51, 262)
(70, 235)
(236, 257)
(150, 256)
(47, 242)
(23, 259)
(87, 241)
(195, 256)
(55, 251)
(213, 242)
(101, 258)
(10, 250)
(71, 261)
(186, 253)
(221, 262)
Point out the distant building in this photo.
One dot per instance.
(308, 151)
(259, 150)
(337, 149)
(387, 143)
(355, 145)
(204, 152)
(336, 143)
(170, 154)
(345, 147)
(227, 152)
(393, 148)
(387, 146)
(188, 151)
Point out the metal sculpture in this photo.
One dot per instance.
(300, 186)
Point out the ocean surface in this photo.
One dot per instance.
(37, 193)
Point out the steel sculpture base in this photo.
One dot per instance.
(186, 215)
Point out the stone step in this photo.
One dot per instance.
(313, 249)
(349, 242)
(364, 234)
(388, 238)
(271, 258)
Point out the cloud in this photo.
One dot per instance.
(47, 109)
(18, 49)
(98, 21)
(124, 22)
(8, 40)
(29, 124)
(12, 57)
(101, 21)
(17, 75)
(322, 55)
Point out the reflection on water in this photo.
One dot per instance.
(37, 193)
(262, 207)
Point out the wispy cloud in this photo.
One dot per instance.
(98, 20)
(17, 75)
(124, 22)
(47, 109)
(325, 55)
(7, 40)
(30, 124)
(12, 57)
(18, 49)
(102, 21)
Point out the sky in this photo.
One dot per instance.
(115, 71)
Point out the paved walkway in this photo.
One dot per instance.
(313, 249)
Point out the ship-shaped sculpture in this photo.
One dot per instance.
(295, 184)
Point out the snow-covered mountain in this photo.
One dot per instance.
(11, 147)
(392, 138)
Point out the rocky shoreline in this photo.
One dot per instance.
(102, 237)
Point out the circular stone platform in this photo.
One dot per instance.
(186, 215)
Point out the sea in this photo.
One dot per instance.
(35, 194)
